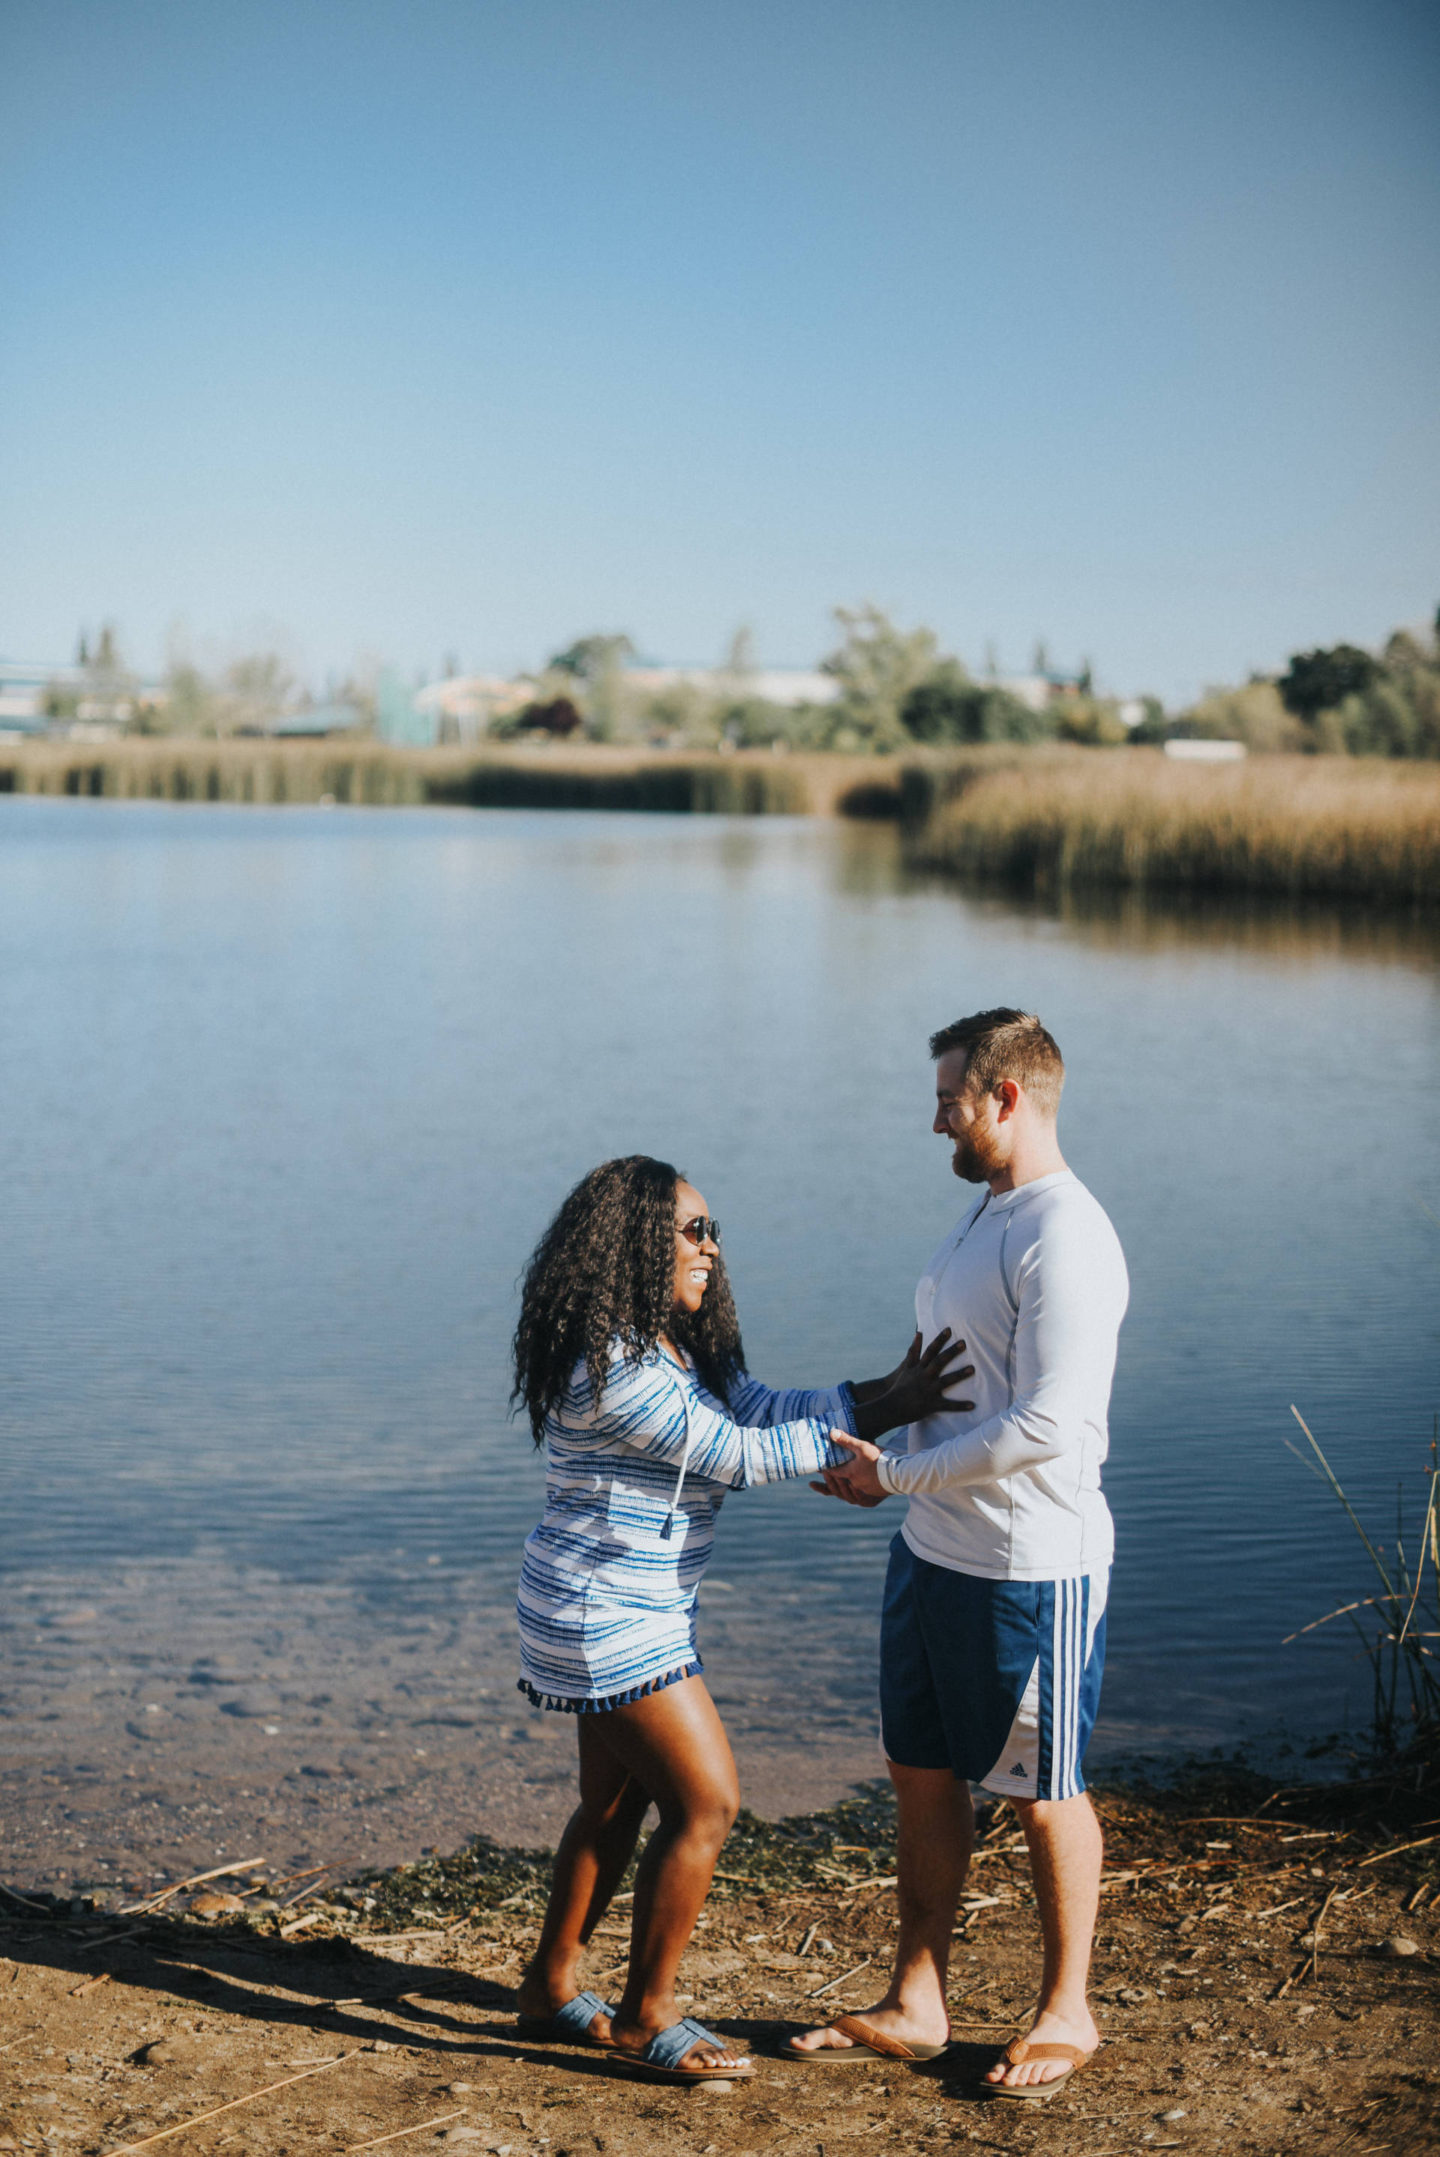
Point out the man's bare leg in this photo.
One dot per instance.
(936, 1833)
(1066, 1849)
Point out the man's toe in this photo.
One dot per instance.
(826, 2040)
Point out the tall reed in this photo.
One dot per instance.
(1399, 1627)
(1295, 826)
(569, 776)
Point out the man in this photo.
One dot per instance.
(993, 1631)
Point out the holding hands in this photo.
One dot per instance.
(917, 1387)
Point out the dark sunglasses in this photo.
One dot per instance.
(701, 1230)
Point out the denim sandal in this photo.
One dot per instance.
(660, 2060)
(570, 2024)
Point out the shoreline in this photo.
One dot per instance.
(1267, 1979)
(1042, 822)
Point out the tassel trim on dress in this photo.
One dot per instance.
(558, 1702)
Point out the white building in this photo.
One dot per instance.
(462, 706)
(22, 693)
(788, 686)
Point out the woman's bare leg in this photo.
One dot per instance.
(597, 1845)
(673, 1744)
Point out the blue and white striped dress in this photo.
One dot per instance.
(610, 1579)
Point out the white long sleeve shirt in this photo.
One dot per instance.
(1034, 1282)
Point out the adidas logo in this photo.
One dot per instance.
(1019, 1768)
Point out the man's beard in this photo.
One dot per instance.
(976, 1158)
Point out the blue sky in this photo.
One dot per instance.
(408, 327)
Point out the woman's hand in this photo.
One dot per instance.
(916, 1388)
(857, 1481)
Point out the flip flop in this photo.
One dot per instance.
(660, 2060)
(867, 2045)
(1017, 2052)
(570, 2024)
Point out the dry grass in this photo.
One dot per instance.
(570, 776)
(1044, 819)
(1301, 827)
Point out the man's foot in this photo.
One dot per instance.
(891, 2022)
(1047, 2029)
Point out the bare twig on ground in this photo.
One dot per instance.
(1398, 1847)
(196, 1879)
(298, 1924)
(109, 1939)
(121, 2149)
(24, 1901)
(823, 1989)
(418, 2128)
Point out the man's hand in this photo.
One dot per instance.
(858, 1481)
(837, 1485)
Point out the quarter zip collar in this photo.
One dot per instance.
(1006, 1199)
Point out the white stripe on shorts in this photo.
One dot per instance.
(1074, 1625)
(1067, 1671)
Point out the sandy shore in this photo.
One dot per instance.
(1228, 2026)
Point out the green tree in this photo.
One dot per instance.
(1321, 680)
(1095, 721)
(589, 656)
(877, 666)
(255, 690)
(948, 707)
(107, 689)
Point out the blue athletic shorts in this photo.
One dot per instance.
(997, 1680)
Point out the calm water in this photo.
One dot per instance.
(288, 1096)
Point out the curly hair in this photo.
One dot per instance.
(604, 1271)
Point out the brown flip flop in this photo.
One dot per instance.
(867, 2044)
(1017, 2052)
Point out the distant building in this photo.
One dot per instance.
(23, 688)
(318, 724)
(1037, 692)
(789, 686)
(1199, 750)
(461, 708)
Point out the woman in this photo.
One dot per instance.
(629, 1361)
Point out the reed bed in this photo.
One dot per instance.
(1298, 827)
(572, 776)
(1398, 1626)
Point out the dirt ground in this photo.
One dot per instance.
(381, 2008)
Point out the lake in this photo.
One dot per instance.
(289, 1095)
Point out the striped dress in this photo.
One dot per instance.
(610, 1577)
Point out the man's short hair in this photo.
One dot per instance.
(1006, 1044)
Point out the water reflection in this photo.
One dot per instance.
(290, 1094)
(872, 861)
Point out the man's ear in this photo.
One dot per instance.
(1007, 1099)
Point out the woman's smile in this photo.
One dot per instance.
(693, 1259)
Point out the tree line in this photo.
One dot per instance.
(894, 689)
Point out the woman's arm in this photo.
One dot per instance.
(868, 1407)
(644, 1409)
(761, 1407)
(916, 1388)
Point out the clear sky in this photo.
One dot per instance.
(407, 327)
